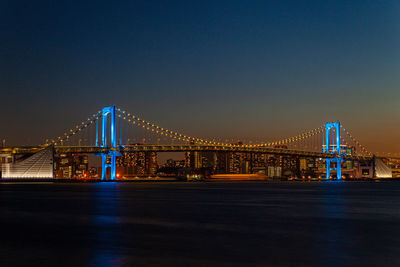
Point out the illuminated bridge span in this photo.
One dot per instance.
(111, 132)
(179, 148)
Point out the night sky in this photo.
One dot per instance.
(267, 69)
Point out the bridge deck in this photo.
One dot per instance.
(177, 148)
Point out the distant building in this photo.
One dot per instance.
(171, 163)
(137, 163)
(198, 160)
(259, 163)
(236, 161)
(222, 162)
(71, 166)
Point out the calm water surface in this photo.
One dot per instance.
(200, 224)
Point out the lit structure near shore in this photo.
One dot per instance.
(296, 156)
(36, 166)
(113, 153)
(335, 149)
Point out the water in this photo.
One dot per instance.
(206, 224)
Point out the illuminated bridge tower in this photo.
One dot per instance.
(333, 148)
(108, 112)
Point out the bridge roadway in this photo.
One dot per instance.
(176, 148)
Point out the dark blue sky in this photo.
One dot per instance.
(209, 68)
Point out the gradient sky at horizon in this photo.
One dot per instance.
(249, 69)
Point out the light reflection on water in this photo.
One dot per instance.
(334, 232)
(113, 224)
(104, 220)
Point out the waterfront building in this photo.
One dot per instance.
(34, 166)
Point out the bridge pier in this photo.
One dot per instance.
(333, 148)
(113, 153)
(338, 167)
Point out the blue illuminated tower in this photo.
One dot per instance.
(333, 148)
(109, 112)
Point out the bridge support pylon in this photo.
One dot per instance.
(338, 167)
(109, 112)
(333, 148)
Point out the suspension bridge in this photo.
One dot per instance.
(112, 132)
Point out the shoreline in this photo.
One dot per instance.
(174, 180)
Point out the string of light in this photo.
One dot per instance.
(71, 132)
(149, 126)
(293, 139)
(363, 148)
(167, 132)
(182, 137)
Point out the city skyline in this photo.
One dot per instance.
(212, 133)
(230, 70)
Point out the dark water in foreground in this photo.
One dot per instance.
(209, 224)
